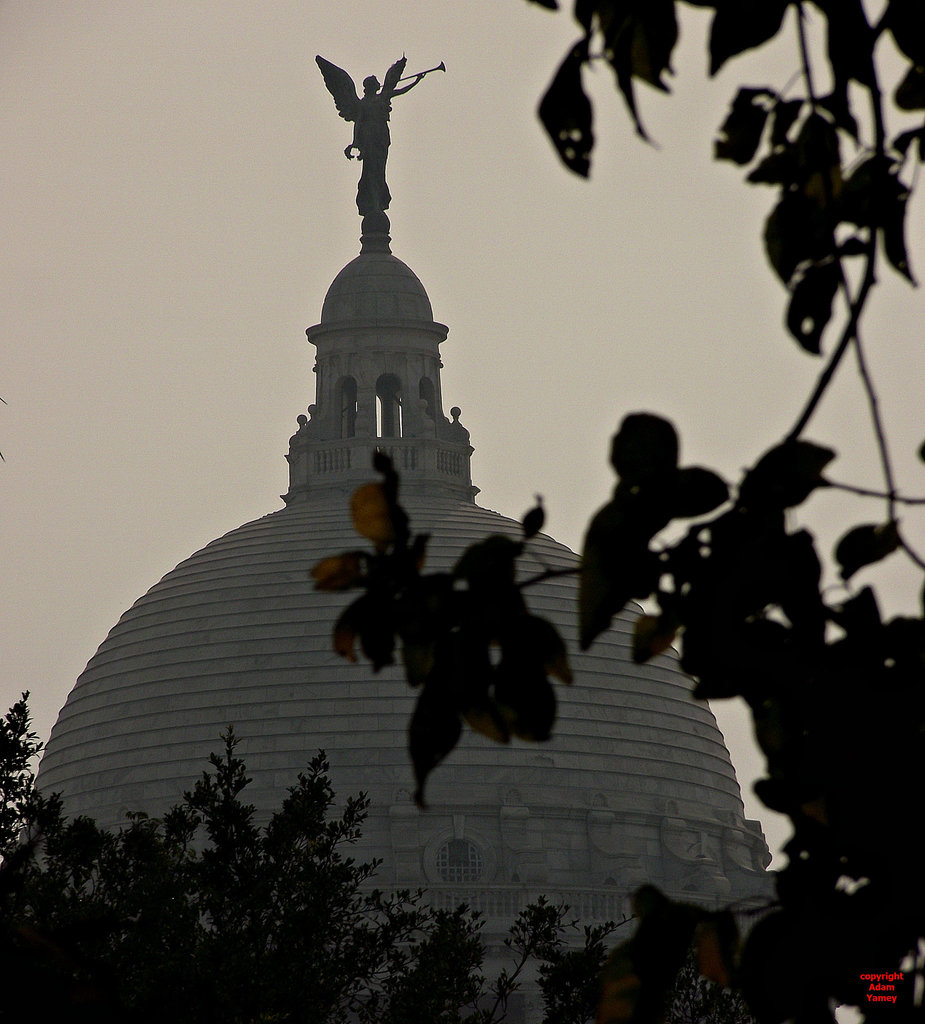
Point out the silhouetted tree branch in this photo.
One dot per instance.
(740, 591)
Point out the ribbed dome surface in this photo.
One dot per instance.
(236, 634)
(376, 287)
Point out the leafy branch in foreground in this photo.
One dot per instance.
(836, 691)
(468, 641)
(740, 592)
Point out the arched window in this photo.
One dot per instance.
(388, 406)
(459, 860)
(347, 404)
(429, 397)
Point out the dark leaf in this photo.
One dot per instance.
(348, 626)
(699, 491)
(785, 476)
(489, 564)
(541, 638)
(910, 93)
(644, 447)
(533, 521)
(774, 950)
(463, 670)
(418, 554)
(740, 134)
(551, 5)
(585, 13)
(819, 160)
(425, 608)
(434, 731)
(779, 167)
(859, 614)
(418, 659)
(339, 572)
(784, 115)
(377, 640)
(796, 230)
(838, 105)
(467, 675)
(796, 578)
(858, 198)
(904, 140)
(620, 57)
(659, 948)
(775, 794)
(718, 644)
(873, 194)
(620, 987)
(598, 597)
(810, 307)
(905, 645)
(372, 515)
(654, 40)
(849, 41)
(616, 565)
(906, 21)
(640, 35)
(525, 699)
(653, 634)
(853, 246)
(741, 25)
(487, 720)
(865, 545)
(366, 619)
(716, 945)
(565, 112)
(894, 230)
(530, 648)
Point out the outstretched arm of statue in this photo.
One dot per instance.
(411, 85)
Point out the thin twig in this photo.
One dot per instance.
(876, 106)
(825, 378)
(804, 56)
(548, 574)
(867, 492)
(877, 423)
(856, 306)
(911, 552)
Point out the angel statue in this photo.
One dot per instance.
(370, 116)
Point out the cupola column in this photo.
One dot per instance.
(366, 412)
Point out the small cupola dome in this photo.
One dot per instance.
(376, 287)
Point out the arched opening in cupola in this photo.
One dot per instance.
(429, 396)
(347, 406)
(388, 406)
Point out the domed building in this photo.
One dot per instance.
(636, 784)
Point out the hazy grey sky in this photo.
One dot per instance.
(175, 203)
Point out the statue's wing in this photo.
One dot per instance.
(340, 86)
(393, 75)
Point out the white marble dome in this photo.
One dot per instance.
(635, 785)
